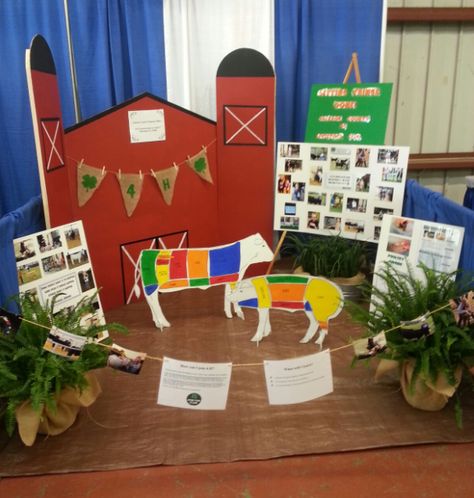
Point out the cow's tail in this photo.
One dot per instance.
(137, 278)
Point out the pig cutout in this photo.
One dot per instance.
(318, 297)
(171, 270)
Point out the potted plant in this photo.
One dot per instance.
(412, 324)
(40, 391)
(339, 259)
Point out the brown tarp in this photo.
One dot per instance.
(126, 428)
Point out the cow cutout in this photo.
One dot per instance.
(171, 270)
(318, 297)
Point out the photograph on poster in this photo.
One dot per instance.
(356, 205)
(292, 165)
(24, 250)
(48, 241)
(354, 226)
(351, 187)
(336, 202)
(289, 150)
(28, 272)
(332, 223)
(319, 153)
(379, 212)
(316, 176)
(340, 163)
(392, 174)
(313, 220)
(401, 226)
(363, 183)
(73, 237)
(385, 194)
(289, 222)
(377, 231)
(298, 191)
(54, 263)
(388, 156)
(290, 208)
(399, 245)
(362, 158)
(317, 198)
(284, 184)
(78, 258)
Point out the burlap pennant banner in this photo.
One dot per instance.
(166, 180)
(131, 188)
(200, 165)
(88, 181)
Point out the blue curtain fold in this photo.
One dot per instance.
(22, 221)
(314, 42)
(20, 21)
(119, 51)
(424, 204)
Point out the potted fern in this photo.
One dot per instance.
(339, 259)
(39, 391)
(421, 336)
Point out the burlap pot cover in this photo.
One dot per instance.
(44, 421)
(424, 394)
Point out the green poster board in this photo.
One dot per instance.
(348, 114)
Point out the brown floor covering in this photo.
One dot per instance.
(125, 428)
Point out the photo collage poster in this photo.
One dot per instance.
(408, 242)
(329, 189)
(57, 261)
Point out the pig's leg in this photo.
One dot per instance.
(312, 328)
(262, 320)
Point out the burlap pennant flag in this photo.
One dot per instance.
(166, 180)
(131, 188)
(200, 165)
(88, 181)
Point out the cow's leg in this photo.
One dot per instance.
(312, 328)
(157, 313)
(263, 315)
(268, 327)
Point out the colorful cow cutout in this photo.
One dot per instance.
(318, 297)
(170, 270)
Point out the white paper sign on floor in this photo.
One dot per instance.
(193, 385)
(299, 379)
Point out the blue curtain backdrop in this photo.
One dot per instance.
(314, 42)
(119, 53)
(20, 20)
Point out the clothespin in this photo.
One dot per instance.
(103, 170)
(153, 173)
(140, 173)
(81, 162)
(120, 174)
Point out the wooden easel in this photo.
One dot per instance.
(353, 66)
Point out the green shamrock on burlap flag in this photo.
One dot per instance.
(200, 165)
(88, 181)
(131, 188)
(166, 180)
